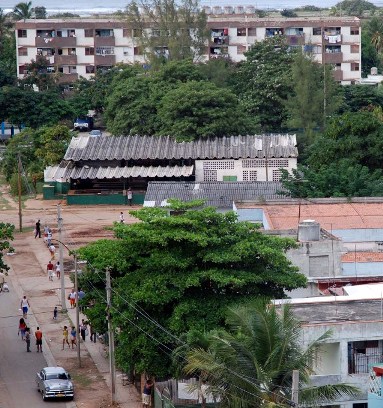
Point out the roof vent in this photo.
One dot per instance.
(374, 71)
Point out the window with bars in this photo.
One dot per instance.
(249, 175)
(277, 175)
(89, 51)
(354, 48)
(22, 33)
(241, 49)
(218, 165)
(252, 31)
(104, 50)
(23, 52)
(210, 175)
(262, 163)
(126, 32)
(362, 354)
(88, 32)
(354, 30)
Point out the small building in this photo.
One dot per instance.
(100, 169)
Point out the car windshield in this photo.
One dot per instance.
(57, 376)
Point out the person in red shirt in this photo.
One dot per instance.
(50, 270)
(39, 339)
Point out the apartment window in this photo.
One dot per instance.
(333, 49)
(337, 67)
(126, 32)
(252, 32)
(363, 354)
(23, 52)
(354, 30)
(22, 70)
(89, 51)
(241, 32)
(210, 175)
(66, 33)
(22, 33)
(89, 69)
(355, 66)
(271, 32)
(137, 51)
(229, 178)
(156, 32)
(104, 33)
(249, 175)
(277, 175)
(355, 49)
(88, 32)
(241, 49)
(317, 31)
(105, 51)
(137, 32)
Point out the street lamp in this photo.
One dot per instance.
(74, 254)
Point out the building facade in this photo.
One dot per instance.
(79, 47)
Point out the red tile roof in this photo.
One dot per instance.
(330, 216)
(363, 257)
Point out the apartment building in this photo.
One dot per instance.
(80, 47)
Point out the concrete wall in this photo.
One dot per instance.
(359, 269)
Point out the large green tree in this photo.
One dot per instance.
(22, 11)
(177, 30)
(353, 8)
(263, 82)
(315, 95)
(251, 363)
(200, 109)
(371, 44)
(180, 272)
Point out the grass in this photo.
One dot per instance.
(82, 380)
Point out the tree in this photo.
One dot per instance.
(198, 109)
(288, 13)
(166, 267)
(262, 82)
(6, 235)
(353, 8)
(39, 76)
(251, 363)
(54, 141)
(22, 11)
(168, 30)
(371, 42)
(7, 51)
(360, 97)
(40, 12)
(312, 94)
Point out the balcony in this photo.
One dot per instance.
(332, 39)
(219, 37)
(338, 75)
(295, 39)
(67, 78)
(333, 57)
(104, 41)
(65, 59)
(55, 42)
(105, 59)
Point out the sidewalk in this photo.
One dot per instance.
(30, 278)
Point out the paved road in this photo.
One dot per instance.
(17, 367)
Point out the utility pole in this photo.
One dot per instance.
(111, 335)
(77, 310)
(61, 258)
(19, 169)
(295, 388)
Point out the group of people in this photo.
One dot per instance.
(25, 332)
(73, 297)
(85, 329)
(52, 269)
(47, 237)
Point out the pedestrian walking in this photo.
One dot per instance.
(46, 229)
(73, 337)
(58, 269)
(129, 195)
(50, 270)
(55, 313)
(83, 329)
(22, 328)
(122, 219)
(81, 295)
(49, 237)
(72, 299)
(39, 339)
(38, 229)
(28, 339)
(65, 336)
(93, 334)
(147, 394)
(52, 250)
(24, 305)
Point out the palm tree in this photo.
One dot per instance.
(22, 11)
(377, 40)
(251, 364)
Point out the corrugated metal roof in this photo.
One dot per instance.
(166, 147)
(217, 194)
(89, 172)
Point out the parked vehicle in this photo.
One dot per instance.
(54, 382)
(95, 132)
(85, 123)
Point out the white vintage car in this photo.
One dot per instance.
(54, 382)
